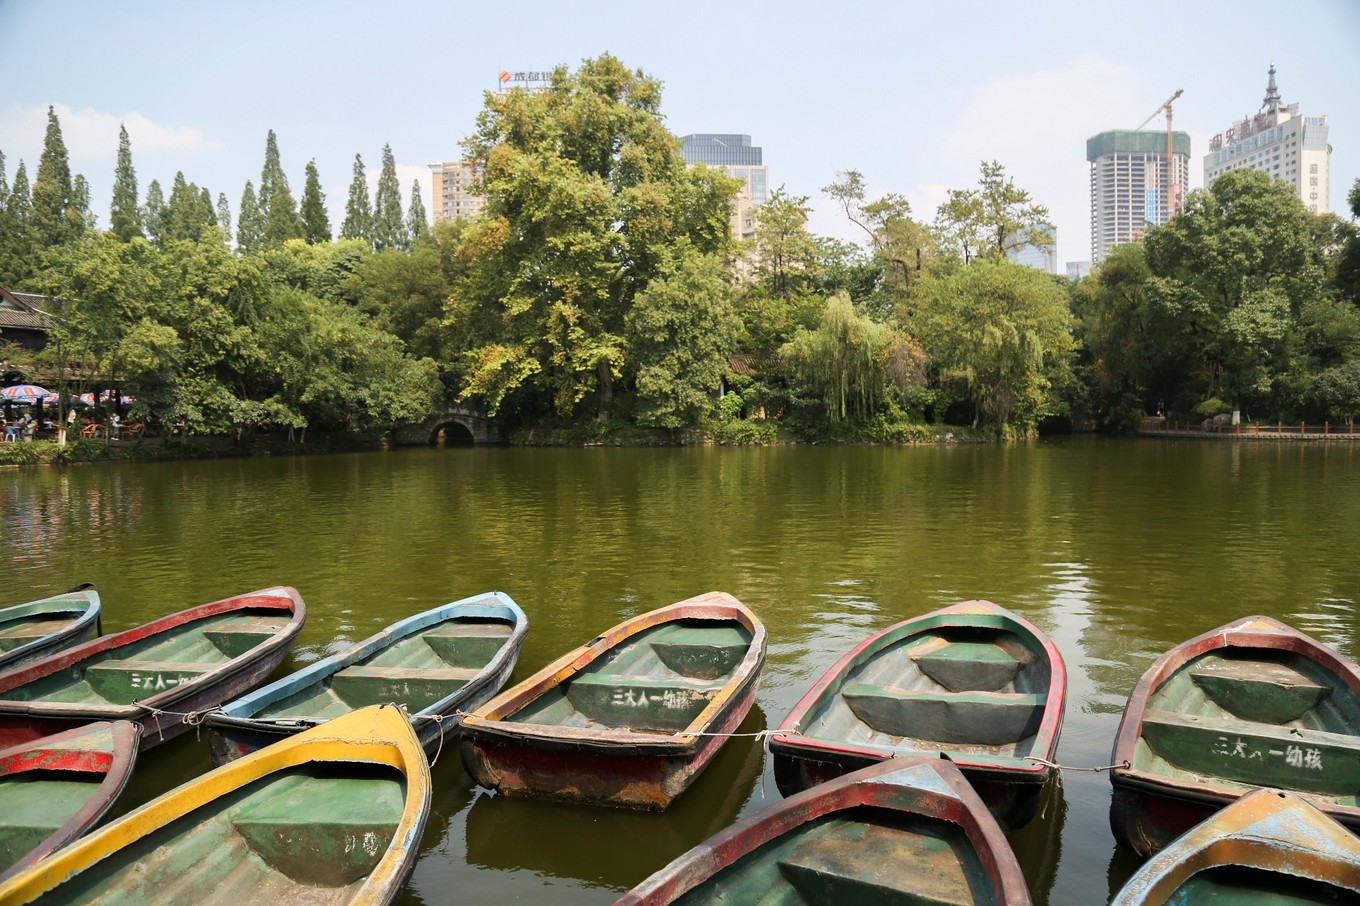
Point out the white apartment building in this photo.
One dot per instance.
(1281, 142)
(453, 195)
(1133, 185)
(740, 159)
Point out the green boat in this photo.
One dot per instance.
(39, 628)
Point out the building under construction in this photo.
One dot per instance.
(1132, 186)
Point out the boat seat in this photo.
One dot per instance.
(702, 652)
(466, 644)
(980, 718)
(35, 629)
(33, 810)
(965, 666)
(1289, 758)
(327, 832)
(125, 681)
(1269, 692)
(633, 701)
(413, 687)
(237, 635)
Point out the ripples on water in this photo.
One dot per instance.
(1120, 550)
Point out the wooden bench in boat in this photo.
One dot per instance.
(1290, 758)
(238, 634)
(980, 718)
(965, 666)
(1259, 690)
(25, 632)
(634, 701)
(329, 831)
(701, 652)
(465, 644)
(126, 681)
(411, 686)
(31, 811)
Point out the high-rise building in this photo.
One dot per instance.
(1036, 251)
(1281, 142)
(1132, 185)
(453, 195)
(736, 156)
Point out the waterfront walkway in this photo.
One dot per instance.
(1160, 427)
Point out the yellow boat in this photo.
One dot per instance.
(332, 815)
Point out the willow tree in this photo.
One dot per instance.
(586, 198)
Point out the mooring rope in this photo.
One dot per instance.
(188, 718)
(1067, 767)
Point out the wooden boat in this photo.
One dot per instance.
(1268, 847)
(58, 787)
(629, 719)
(38, 628)
(910, 830)
(1253, 703)
(155, 674)
(332, 815)
(434, 664)
(973, 681)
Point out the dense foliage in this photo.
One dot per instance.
(602, 286)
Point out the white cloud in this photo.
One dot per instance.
(93, 134)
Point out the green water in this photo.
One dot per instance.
(1119, 549)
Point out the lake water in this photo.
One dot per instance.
(1119, 549)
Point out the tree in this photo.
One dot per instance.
(276, 204)
(188, 211)
(1000, 338)
(153, 213)
(55, 219)
(389, 229)
(902, 245)
(316, 223)
(417, 225)
(786, 255)
(12, 255)
(80, 201)
(992, 220)
(587, 199)
(680, 331)
(1348, 263)
(17, 261)
(224, 216)
(358, 211)
(125, 216)
(250, 223)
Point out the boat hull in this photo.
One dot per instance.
(480, 636)
(32, 631)
(1010, 770)
(620, 738)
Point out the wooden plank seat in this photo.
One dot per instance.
(25, 632)
(855, 863)
(980, 718)
(641, 702)
(1290, 758)
(32, 808)
(238, 634)
(125, 681)
(467, 644)
(1259, 690)
(964, 666)
(701, 652)
(348, 821)
(415, 688)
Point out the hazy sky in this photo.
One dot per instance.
(913, 95)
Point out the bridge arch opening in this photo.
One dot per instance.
(451, 434)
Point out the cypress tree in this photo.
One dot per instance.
(4, 187)
(389, 230)
(8, 254)
(153, 223)
(249, 223)
(224, 215)
(80, 201)
(275, 200)
(206, 214)
(415, 217)
(54, 216)
(316, 224)
(358, 212)
(125, 218)
(16, 262)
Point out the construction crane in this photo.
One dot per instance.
(1173, 189)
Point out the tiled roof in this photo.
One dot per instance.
(21, 310)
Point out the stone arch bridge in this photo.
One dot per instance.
(460, 427)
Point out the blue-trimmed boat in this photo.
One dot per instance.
(435, 664)
(38, 628)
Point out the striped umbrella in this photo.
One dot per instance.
(22, 393)
(106, 396)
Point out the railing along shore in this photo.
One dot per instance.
(1253, 430)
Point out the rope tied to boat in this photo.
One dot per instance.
(1066, 767)
(188, 718)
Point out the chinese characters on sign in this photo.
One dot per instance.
(1294, 756)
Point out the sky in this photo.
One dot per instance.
(914, 95)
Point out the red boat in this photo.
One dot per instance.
(631, 718)
(1251, 704)
(55, 789)
(909, 830)
(156, 674)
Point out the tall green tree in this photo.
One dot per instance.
(80, 201)
(358, 209)
(224, 216)
(153, 213)
(188, 211)
(125, 215)
(417, 225)
(1348, 263)
(992, 220)
(250, 223)
(55, 218)
(275, 200)
(389, 229)
(786, 257)
(904, 247)
(11, 255)
(587, 198)
(316, 223)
